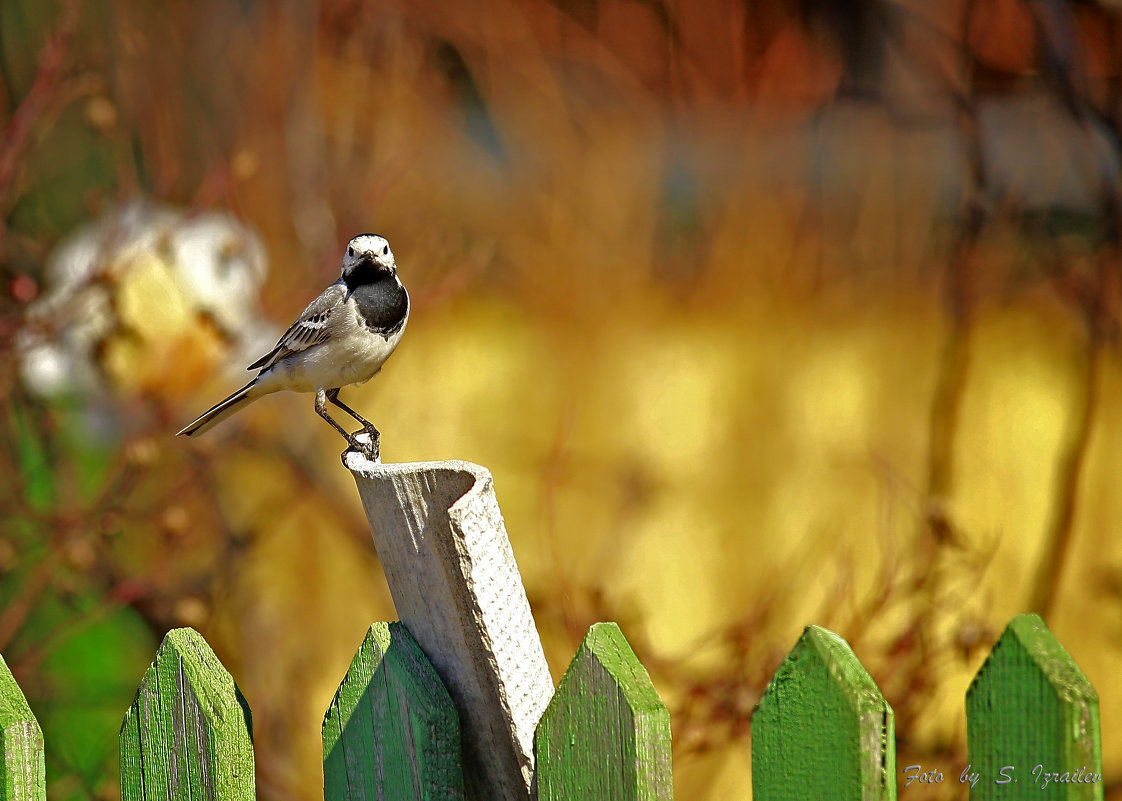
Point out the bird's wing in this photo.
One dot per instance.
(310, 328)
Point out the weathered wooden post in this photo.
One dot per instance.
(1032, 721)
(391, 730)
(188, 734)
(822, 729)
(441, 538)
(606, 734)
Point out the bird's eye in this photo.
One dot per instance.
(386, 250)
(350, 251)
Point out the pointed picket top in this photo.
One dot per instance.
(391, 730)
(822, 728)
(606, 733)
(22, 764)
(188, 734)
(1032, 720)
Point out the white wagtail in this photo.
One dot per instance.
(342, 338)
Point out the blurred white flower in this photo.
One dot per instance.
(147, 298)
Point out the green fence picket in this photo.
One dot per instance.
(606, 733)
(188, 734)
(1032, 721)
(22, 765)
(391, 730)
(822, 729)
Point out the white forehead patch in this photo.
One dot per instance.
(369, 243)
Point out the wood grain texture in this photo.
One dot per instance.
(606, 733)
(391, 730)
(822, 729)
(1032, 712)
(443, 544)
(188, 734)
(22, 763)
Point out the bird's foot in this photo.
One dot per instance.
(367, 441)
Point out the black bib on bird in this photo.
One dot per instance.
(382, 301)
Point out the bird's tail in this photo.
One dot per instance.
(212, 417)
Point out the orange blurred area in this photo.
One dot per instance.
(761, 314)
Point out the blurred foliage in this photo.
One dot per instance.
(761, 312)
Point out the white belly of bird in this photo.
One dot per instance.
(353, 358)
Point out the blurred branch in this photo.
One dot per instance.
(939, 529)
(1055, 29)
(1072, 460)
(31, 658)
(19, 607)
(35, 102)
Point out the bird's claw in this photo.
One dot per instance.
(370, 446)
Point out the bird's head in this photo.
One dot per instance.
(367, 260)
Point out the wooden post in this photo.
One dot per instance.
(822, 728)
(22, 765)
(187, 735)
(392, 730)
(441, 538)
(1032, 721)
(606, 733)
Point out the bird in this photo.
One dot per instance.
(343, 337)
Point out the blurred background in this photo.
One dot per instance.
(761, 312)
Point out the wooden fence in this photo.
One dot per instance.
(454, 701)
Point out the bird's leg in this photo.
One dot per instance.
(321, 409)
(367, 426)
